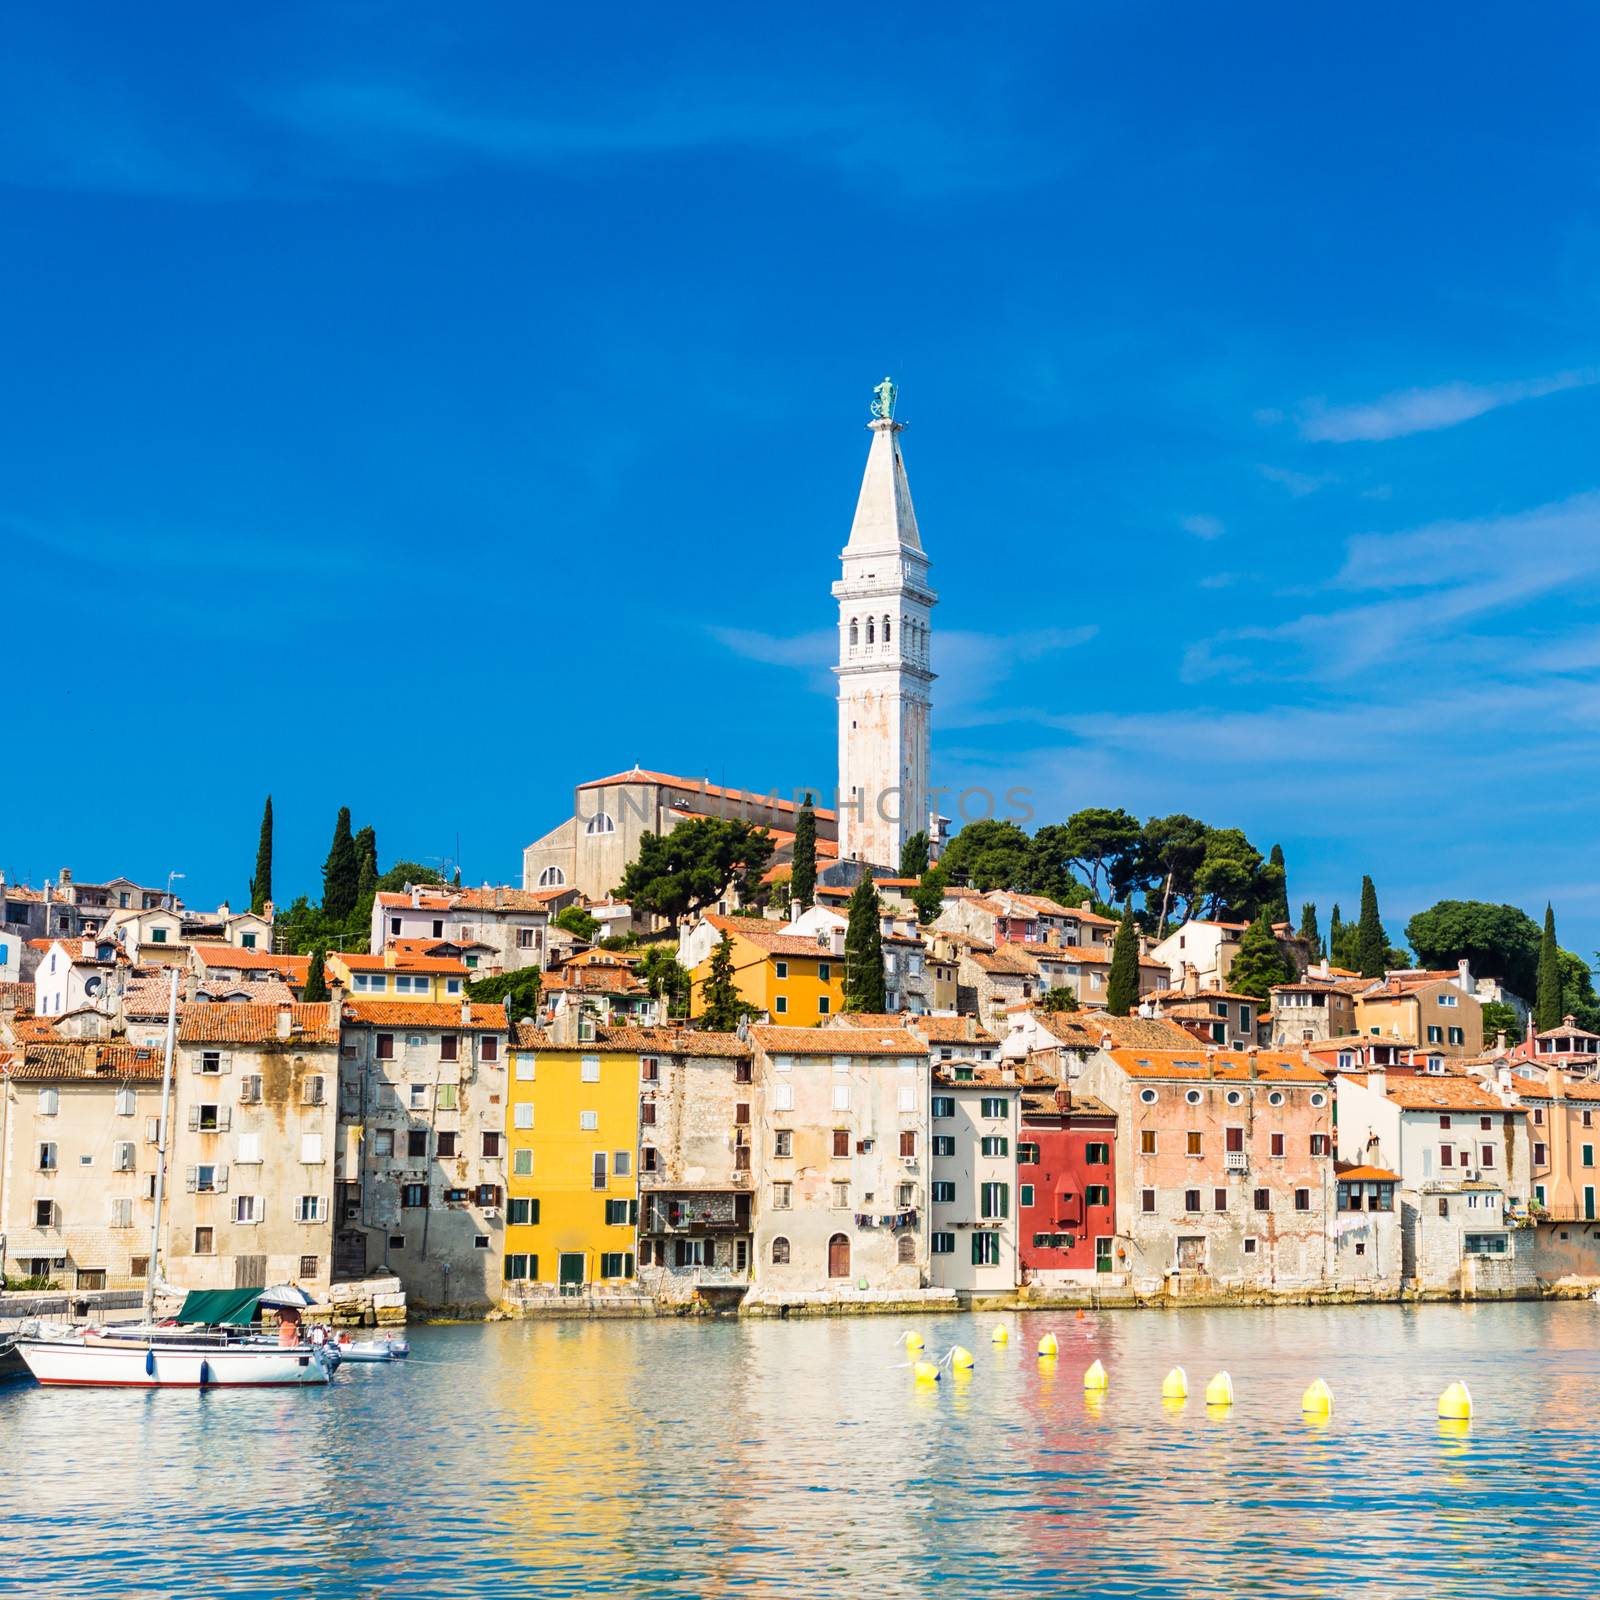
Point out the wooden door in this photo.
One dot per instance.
(838, 1256)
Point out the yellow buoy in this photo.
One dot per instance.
(1219, 1392)
(912, 1341)
(1317, 1401)
(961, 1359)
(925, 1372)
(1175, 1386)
(1095, 1379)
(1001, 1334)
(1048, 1345)
(1455, 1404)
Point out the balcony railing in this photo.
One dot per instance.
(1235, 1161)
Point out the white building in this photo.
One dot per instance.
(973, 1124)
(884, 674)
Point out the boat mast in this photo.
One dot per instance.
(152, 1271)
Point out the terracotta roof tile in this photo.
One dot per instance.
(1426, 1092)
(484, 1018)
(443, 966)
(87, 1060)
(1269, 1066)
(247, 1024)
(293, 969)
(838, 1041)
(760, 932)
(1364, 1174)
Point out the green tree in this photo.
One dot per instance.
(518, 991)
(316, 984)
(366, 842)
(914, 856)
(1102, 848)
(1235, 881)
(1578, 999)
(679, 873)
(1498, 941)
(863, 950)
(989, 854)
(1308, 928)
(803, 877)
(1547, 1006)
(577, 922)
(665, 978)
(403, 872)
(1063, 997)
(1372, 944)
(1171, 852)
(261, 883)
(1278, 910)
(341, 872)
(1499, 1017)
(928, 896)
(1258, 963)
(721, 1008)
(1122, 982)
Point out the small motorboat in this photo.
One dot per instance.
(12, 1367)
(372, 1349)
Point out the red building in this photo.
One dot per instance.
(1066, 1185)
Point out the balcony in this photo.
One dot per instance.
(1235, 1161)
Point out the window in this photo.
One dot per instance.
(944, 1105)
(522, 1115)
(204, 1241)
(490, 1049)
(552, 878)
(521, 1160)
(841, 1197)
(525, 1069)
(211, 1062)
(418, 1095)
(1277, 1144)
(994, 1145)
(47, 1158)
(1193, 1097)
(1262, 1200)
(1457, 1035)
(986, 1249)
(311, 1208)
(122, 1156)
(246, 1208)
(416, 1144)
(942, 1244)
(1319, 1144)
(783, 1097)
(944, 1145)
(121, 1214)
(616, 1264)
(600, 822)
(1219, 1199)
(250, 1089)
(1193, 1143)
(780, 969)
(1486, 1244)
(1147, 1141)
(993, 1107)
(158, 936)
(1095, 1154)
(942, 1192)
(516, 1268)
(49, 1102)
(783, 1143)
(649, 1161)
(994, 1200)
(780, 1006)
(1147, 1202)
(1588, 1155)
(413, 1195)
(1275, 1098)
(1250, 1247)
(619, 1213)
(311, 1149)
(1148, 1096)
(781, 1196)
(908, 1145)
(622, 1163)
(824, 971)
(449, 1047)
(597, 1172)
(1024, 1195)
(1540, 1156)
(1027, 1154)
(1302, 1199)
(522, 1213)
(385, 1047)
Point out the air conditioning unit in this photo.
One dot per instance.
(491, 1211)
(911, 1163)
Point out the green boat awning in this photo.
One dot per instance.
(214, 1306)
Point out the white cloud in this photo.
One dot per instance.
(1406, 411)
(1202, 526)
(1299, 484)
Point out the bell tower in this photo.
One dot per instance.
(885, 680)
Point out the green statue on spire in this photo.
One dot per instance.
(883, 398)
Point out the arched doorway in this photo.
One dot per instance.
(838, 1256)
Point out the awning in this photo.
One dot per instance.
(214, 1306)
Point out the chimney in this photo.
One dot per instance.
(66, 876)
(1378, 1081)
(335, 998)
(1191, 978)
(189, 986)
(1464, 976)
(416, 894)
(1252, 1055)
(466, 1013)
(285, 1022)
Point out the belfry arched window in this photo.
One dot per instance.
(869, 630)
(853, 632)
(886, 630)
(552, 878)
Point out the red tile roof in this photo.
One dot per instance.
(838, 1041)
(773, 940)
(443, 966)
(87, 1060)
(292, 968)
(484, 1018)
(1269, 1066)
(700, 786)
(1426, 1092)
(309, 1025)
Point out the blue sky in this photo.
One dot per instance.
(425, 408)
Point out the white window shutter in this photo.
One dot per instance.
(190, 1178)
(226, 1063)
(222, 1180)
(224, 1118)
(195, 1060)
(194, 1117)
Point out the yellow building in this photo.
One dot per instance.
(572, 1187)
(401, 973)
(797, 979)
(1431, 1010)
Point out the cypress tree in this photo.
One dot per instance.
(1547, 1005)
(863, 951)
(720, 1005)
(914, 856)
(1258, 963)
(366, 843)
(316, 986)
(1372, 943)
(261, 884)
(1278, 906)
(803, 875)
(341, 872)
(1122, 983)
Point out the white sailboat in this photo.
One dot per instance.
(151, 1357)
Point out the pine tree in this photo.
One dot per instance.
(341, 872)
(316, 985)
(721, 1008)
(1258, 963)
(1547, 1005)
(261, 884)
(1308, 928)
(1278, 906)
(863, 950)
(1372, 943)
(914, 856)
(1122, 983)
(803, 875)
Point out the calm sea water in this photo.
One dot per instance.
(695, 1459)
